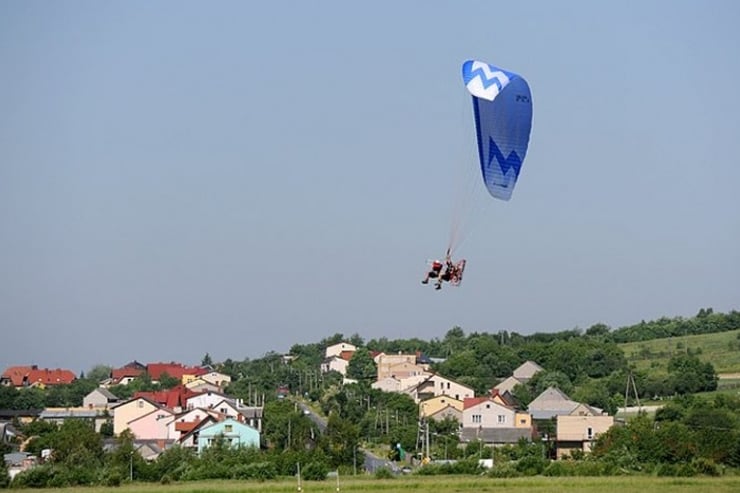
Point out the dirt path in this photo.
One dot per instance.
(728, 376)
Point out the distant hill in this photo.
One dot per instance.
(722, 349)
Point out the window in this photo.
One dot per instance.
(488, 406)
(140, 403)
(590, 433)
(228, 428)
(477, 418)
(448, 385)
(501, 419)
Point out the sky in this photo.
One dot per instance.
(180, 178)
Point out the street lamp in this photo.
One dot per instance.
(131, 466)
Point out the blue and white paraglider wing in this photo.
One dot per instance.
(502, 104)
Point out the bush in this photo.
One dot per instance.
(316, 471)
(36, 477)
(112, 478)
(260, 471)
(504, 470)
(531, 465)
(579, 468)
(384, 473)
(705, 466)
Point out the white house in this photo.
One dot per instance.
(485, 412)
(100, 398)
(435, 385)
(337, 349)
(216, 378)
(206, 400)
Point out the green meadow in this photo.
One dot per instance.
(722, 349)
(445, 484)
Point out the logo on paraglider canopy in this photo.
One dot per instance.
(485, 81)
(512, 161)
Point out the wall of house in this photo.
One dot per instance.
(387, 361)
(152, 426)
(447, 412)
(433, 405)
(205, 401)
(216, 378)
(522, 420)
(129, 411)
(339, 365)
(582, 429)
(236, 433)
(95, 400)
(492, 415)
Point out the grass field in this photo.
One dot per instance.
(721, 349)
(448, 484)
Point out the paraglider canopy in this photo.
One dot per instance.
(502, 104)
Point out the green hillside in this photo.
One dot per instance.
(722, 349)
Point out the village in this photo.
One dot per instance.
(199, 410)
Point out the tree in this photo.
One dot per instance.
(77, 443)
(30, 398)
(689, 375)
(598, 330)
(98, 373)
(206, 361)
(342, 439)
(362, 367)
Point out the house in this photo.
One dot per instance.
(190, 437)
(507, 385)
(337, 349)
(7, 432)
(59, 415)
(130, 410)
(14, 376)
(199, 385)
(435, 385)
(152, 425)
(578, 432)
(17, 462)
(553, 402)
(174, 370)
(440, 408)
(398, 365)
(251, 415)
(184, 422)
(488, 420)
(526, 371)
(151, 449)
(216, 378)
(231, 431)
(33, 376)
(205, 400)
(126, 374)
(338, 363)
(174, 398)
(495, 436)
(401, 370)
(393, 384)
(148, 449)
(100, 398)
(24, 416)
(485, 412)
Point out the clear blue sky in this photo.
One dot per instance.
(179, 178)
